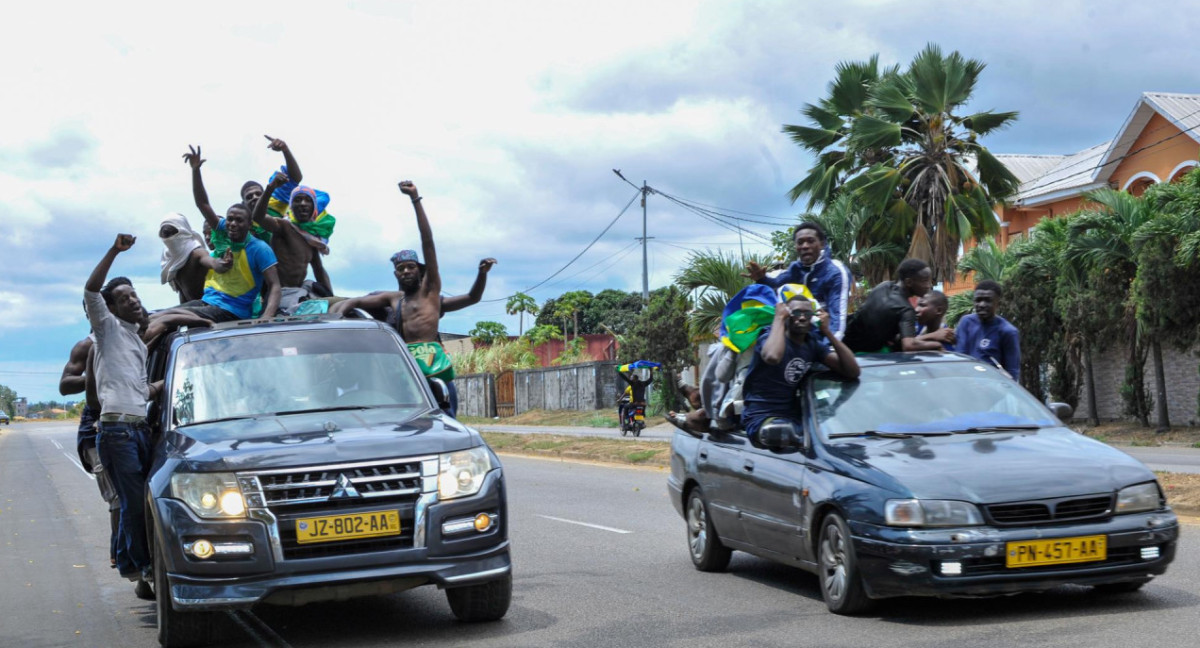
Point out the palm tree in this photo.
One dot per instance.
(568, 306)
(520, 303)
(712, 279)
(988, 261)
(898, 143)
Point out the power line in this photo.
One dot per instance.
(628, 248)
(568, 264)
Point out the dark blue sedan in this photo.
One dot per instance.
(930, 475)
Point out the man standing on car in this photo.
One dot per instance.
(781, 358)
(415, 309)
(987, 336)
(887, 320)
(116, 315)
(826, 278)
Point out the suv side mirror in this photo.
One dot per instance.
(1062, 411)
(441, 393)
(779, 436)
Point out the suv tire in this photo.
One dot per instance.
(177, 629)
(484, 602)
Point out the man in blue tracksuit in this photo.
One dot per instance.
(827, 278)
(987, 336)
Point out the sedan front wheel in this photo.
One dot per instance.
(841, 582)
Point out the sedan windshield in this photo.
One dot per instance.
(925, 398)
(278, 373)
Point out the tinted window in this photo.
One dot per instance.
(273, 373)
(924, 397)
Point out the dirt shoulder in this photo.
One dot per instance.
(1182, 489)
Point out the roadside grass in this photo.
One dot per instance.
(600, 449)
(603, 418)
(1136, 435)
(1182, 490)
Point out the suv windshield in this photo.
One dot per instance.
(276, 373)
(924, 398)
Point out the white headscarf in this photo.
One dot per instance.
(179, 247)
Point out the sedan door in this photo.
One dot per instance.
(771, 498)
(719, 461)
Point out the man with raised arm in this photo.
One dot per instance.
(826, 278)
(185, 260)
(230, 295)
(116, 316)
(414, 309)
(291, 244)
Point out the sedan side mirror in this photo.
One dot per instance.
(779, 436)
(1062, 411)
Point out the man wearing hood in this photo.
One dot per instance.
(292, 245)
(185, 260)
(827, 278)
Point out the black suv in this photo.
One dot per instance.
(306, 459)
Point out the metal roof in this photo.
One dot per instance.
(1050, 177)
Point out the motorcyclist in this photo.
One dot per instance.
(635, 394)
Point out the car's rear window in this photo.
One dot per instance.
(279, 372)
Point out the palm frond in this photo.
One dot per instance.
(873, 133)
(982, 123)
(813, 139)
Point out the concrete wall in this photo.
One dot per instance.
(1183, 385)
(587, 386)
(476, 395)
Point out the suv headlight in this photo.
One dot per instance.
(209, 495)
(1141, 497)
(931, 513)
(461, 473)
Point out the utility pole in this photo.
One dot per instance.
(645, 263)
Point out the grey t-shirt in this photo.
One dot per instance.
(120, 363)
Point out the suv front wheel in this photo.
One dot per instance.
(177, 629)
(484, 602)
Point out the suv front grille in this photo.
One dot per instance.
(1056, 510)
(341, 489)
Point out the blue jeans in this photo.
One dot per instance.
(125, 453)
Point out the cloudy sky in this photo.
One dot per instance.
(509, 116)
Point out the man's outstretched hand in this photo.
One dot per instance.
(276, 144)
(193, 157)
(408, 189)
(486, 264)
(124, 242)
(278, 179)
(755, 271)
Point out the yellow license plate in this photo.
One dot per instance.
(639, 417)
(348, 527)
(1059, 551)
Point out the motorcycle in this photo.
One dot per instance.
(634, 420)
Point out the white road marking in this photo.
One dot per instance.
(79, 466)
(56, 444)
(586, 524)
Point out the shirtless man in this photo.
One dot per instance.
(417, 306)
(293, 247)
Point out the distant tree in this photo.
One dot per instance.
(569, 305)
(615, 309)
(519, 304)
(660, 335)
(542, 333)
(487, 332)
(8, 400)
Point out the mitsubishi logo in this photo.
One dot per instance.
(343, 489)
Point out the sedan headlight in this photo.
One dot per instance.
(1142, 497)
(461, 473)
(209, 495)
(931, 513)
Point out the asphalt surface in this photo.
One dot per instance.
(599, 558)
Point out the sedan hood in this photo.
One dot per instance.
(316, 438)
(993, 467)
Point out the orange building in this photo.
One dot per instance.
(1159, 142)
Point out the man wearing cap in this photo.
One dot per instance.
(781, 358)
(414, 309)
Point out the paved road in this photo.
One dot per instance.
(599, 558)
(1169, 458)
